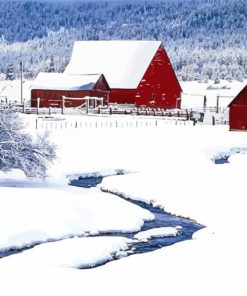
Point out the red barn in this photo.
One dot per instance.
(138, 72)
(51, 87)
(238, 111)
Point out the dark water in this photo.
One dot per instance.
(86, 182)
(222, 160)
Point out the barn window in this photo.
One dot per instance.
(153, 97)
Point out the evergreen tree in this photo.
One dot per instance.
(52, 65)
(10, 73)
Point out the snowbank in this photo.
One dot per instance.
(70, 253)
(157, 232)
(30, 215)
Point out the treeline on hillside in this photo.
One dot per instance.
(204, 39)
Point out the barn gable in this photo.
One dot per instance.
(123, 63)
(238, 111)
(159, 86)
(241, 98)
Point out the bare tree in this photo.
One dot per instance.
(18, 150)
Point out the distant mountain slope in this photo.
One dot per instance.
(204, 39)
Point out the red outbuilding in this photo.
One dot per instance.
(238, 111)
(138, 72)
(49, 89)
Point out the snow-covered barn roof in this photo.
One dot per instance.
(62, 81)
(123, 63)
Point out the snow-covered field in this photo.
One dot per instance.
(194, 93)
(12, 90)
(171, 166)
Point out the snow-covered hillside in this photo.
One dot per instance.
(204, 39)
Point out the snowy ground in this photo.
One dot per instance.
(194, 92)
(171, 166)
(12, 90)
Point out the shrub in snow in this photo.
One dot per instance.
(18, 150)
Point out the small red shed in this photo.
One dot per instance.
(138, 72)
(51, 87)
(238, 111)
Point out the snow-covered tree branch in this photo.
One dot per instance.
(18, 150)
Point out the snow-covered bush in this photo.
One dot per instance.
(18, 150)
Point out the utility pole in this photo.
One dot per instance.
(21, 68)
(217, 103)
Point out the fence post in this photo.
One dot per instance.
(187, 114)
(38, 103)
(204, 103)
(87, 106)
(23, 106)
(63, 104)
(217, 103)
(213, 120)
(36, 123)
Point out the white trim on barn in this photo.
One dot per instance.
(123, 63)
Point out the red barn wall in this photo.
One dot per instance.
(159, 87)
(122, 96)
(238, 111)
(53, 98)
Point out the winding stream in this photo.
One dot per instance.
(162, 219)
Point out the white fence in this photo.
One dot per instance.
(101, 122)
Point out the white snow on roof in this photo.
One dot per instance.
(61, 81)
(123, 63)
